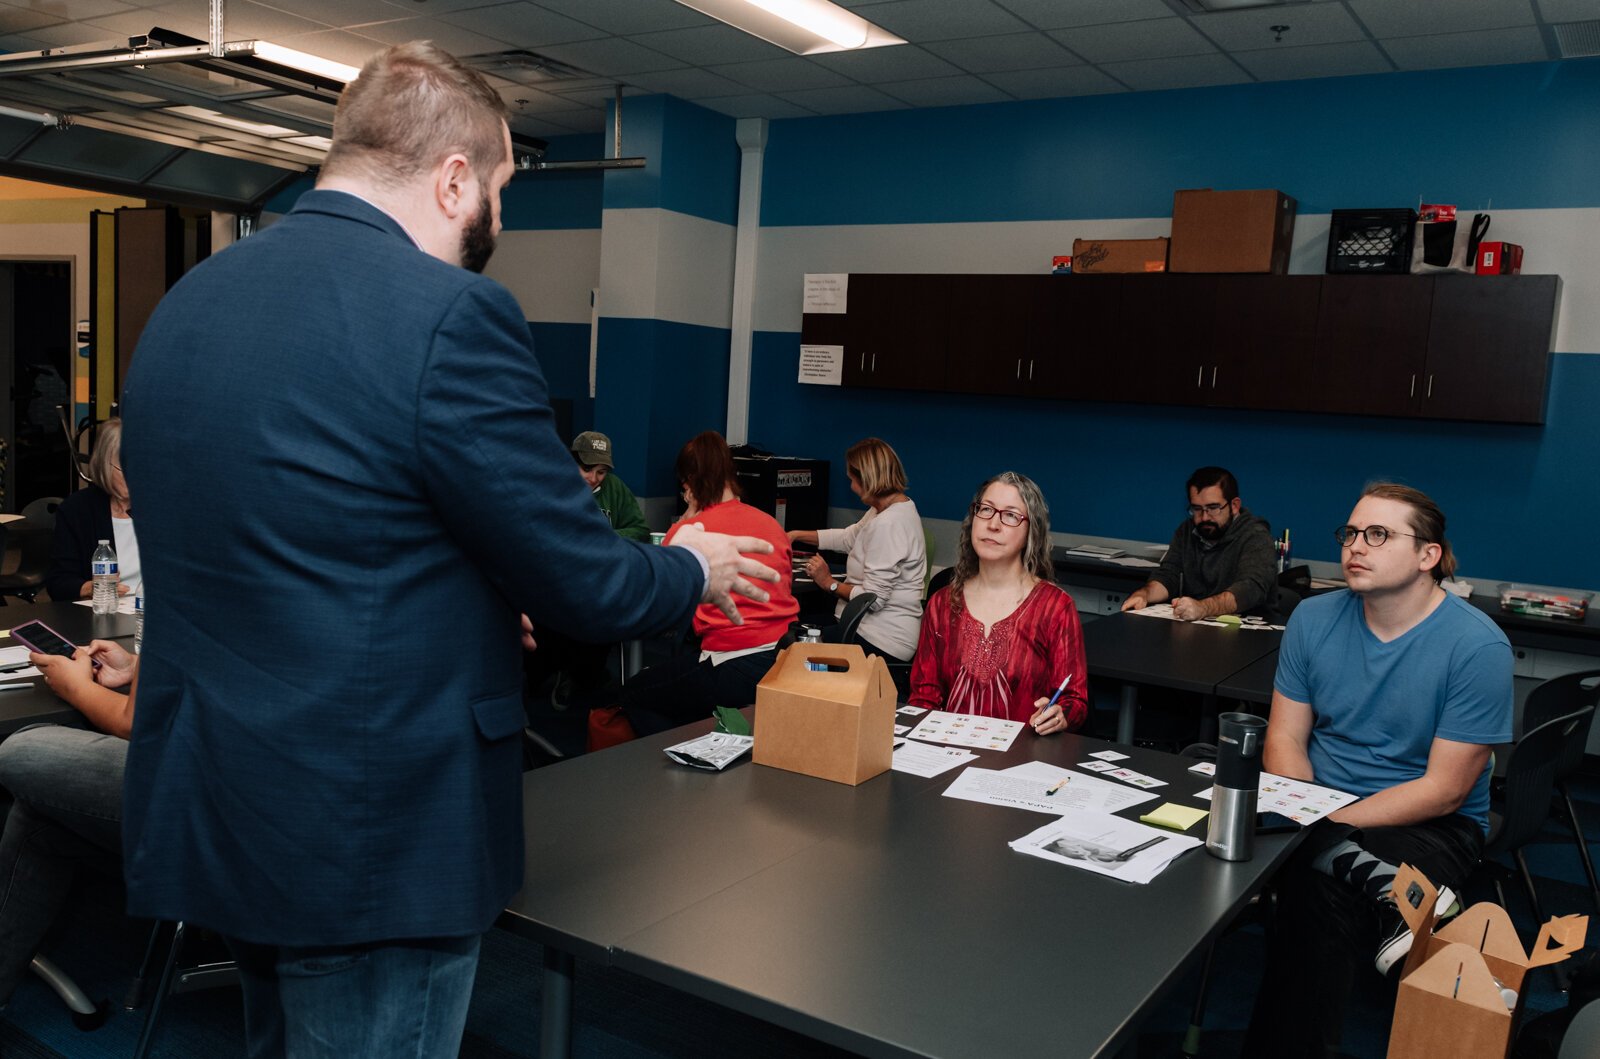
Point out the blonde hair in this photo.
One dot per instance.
(1427, 521)
(1035, 553)
(106, 455)
(877, 467)
(412, 106)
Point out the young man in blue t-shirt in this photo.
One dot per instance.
(1395, 690)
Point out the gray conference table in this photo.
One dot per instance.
(884, 919)
(1169, 654)
(39, 705)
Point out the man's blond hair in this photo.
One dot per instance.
(413, 106)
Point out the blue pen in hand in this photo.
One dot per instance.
(1059, 689)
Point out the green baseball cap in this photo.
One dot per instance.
(592, 449)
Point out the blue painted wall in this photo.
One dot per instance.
(692, 160)
(1520, 136)
(559, 199)
(563, 352)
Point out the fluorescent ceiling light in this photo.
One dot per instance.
(805, 27)
(305, 62)
(215, 118)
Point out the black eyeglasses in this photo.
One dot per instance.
(1007, 517)
(1196, 510)
(1375, 535)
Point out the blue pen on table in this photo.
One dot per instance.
(1059, 689)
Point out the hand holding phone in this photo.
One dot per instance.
(39, 638)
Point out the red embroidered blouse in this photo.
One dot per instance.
(1023, 659)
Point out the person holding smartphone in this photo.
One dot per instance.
(67, 789)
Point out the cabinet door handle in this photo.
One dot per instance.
(1019, 367)
(1213, 376)
(1430, 384)
(1199, 374)
(1413, 384)
(863, 361)
(1030, 369)
(874, 364)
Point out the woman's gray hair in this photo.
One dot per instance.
(1035, 552)
(107, 454)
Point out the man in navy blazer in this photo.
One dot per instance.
(349, 485)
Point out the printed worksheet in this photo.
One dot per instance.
(1044, 789)
(1155, 610)
(925, 759)
(1106, 845)
(965, 729)
(1302, 802)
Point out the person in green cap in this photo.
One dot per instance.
(592, 450)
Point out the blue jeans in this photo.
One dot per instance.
(405, 999)
(67, 787)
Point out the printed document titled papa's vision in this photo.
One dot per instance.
(1106, 845)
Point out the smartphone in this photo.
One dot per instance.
(39, 638)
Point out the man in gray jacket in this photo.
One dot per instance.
(1220, 560)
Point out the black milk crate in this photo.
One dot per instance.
(1377, 241)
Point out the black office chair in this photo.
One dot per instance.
(42, 512)
(174, 979)
(850, 617)
(31, 543)
(1558, 697)
(1529, 785)
(940, 580)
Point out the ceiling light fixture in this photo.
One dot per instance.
(805, 27)
(305, 62)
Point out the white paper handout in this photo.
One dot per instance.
(14, 662)
(124, 603)
(714, 751)
(1041, 788)
(1156, 610)
(1106, 845)
(1302, 802)
(966, 729)
(925, 759)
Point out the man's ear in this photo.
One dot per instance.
(450, 185)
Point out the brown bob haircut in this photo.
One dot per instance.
(413, 106)
(705, 467)
(876, 467)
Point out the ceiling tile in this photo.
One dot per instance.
(850, 99)
(453, 39)
(17, 42)
(1318, 60)
(244, 19)
(1490, 47)
(69, 33)
(1188, 71)
(610, 57)
(334, 12)
(1054, 14)
(434, 7)
(524, 25)
(1385, 18)
(782, 75)
(533, 102)
(626, 17)
(1010, 51)
(687, 84)
(15, 20)
(564, 123)
(352, 49)
(1307, 24)
(920, 20)
(944, 91)
(898, 63)
(72, 10)
(131, 24)
(1059, 81)
(600, 97)
(1569, 10)
(710, 45)
(1156, 39)
(756, 106)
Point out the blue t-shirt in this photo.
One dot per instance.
(1379, 706)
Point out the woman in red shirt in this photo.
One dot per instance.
(998, 639)
(731, 659)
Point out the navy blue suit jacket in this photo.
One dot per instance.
(349, 484)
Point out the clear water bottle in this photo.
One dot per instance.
(138, 620)
(103, 568)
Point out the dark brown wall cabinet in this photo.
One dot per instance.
(1442, 347)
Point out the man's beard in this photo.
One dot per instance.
(1209, 530)
(477, 239)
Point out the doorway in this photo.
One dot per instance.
(36, 332)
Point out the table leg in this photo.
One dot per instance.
(1126, 713)
(1208, 719)
(555, 1025)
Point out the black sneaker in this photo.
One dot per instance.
(1397, 936)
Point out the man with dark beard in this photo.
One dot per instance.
(349, 486)
(1220, 560)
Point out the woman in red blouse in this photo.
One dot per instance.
(998, 639)
(730, 659)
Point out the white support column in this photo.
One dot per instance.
(751, 134)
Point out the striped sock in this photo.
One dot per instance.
(1355, 867)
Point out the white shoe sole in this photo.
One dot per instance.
(1396, 948)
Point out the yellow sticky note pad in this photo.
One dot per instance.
(1177, 817)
